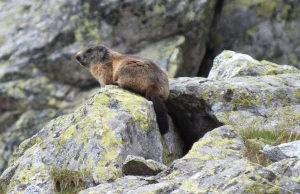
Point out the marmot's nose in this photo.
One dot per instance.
(78, 56)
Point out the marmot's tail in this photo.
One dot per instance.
(161, 114)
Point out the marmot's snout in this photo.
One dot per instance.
(79, 58)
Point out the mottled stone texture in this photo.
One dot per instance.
(215, 164)
(40, 81)
(283, 151)
(96, 139)
(209, 113)
(267, 100)
(139, 166)
(263, 29)
(39, 76)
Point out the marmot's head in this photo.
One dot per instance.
(93, 55)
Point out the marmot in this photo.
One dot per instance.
(130, 72)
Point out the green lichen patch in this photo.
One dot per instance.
(105, 169)
(3, 186)
(68, 181)
(141, 117)
(262, 188)
(266, 8)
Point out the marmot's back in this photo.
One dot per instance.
(142, 76)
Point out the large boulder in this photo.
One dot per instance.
(96, 148)
(215, 164)
(263, 29)
(32, 34)
(95, 139)
(230, 64)
(283, 151)
(260, 102)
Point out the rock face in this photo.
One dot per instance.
(230, 64)
(283, 151)
(40, 81)
(287, 167)
(265, 102)
(96, 139)
(262, 29)
(214, 164)
(39, 77)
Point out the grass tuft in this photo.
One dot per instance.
(68, 181)
(255, 139)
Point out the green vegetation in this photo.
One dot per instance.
(255, 139)
(67, 181)
(3, 186)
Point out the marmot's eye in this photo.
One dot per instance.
(89, 50)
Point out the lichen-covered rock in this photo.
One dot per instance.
(96, 139)
(122, 185)
(282, 151)
(139, 166)
(263, 29)
(167, 53)
(230, 64)
(26, 106)
(215, 164)
(265, 102)
(39, 39)
(29, 34)
(287, 167)
(261, 102)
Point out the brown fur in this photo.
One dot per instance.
(133, 73)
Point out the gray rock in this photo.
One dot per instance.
(263, 29)
(282, 151)
(230, 64)
(166, 53)
(209, 115)
(215, 164)
(247, 103)
(287, 167)
(139, 166)
(95, 139)
(39, 39)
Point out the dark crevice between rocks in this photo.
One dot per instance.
(192, 118)
(210, 53)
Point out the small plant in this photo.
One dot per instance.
(254, 139)
(253, 154)
(68, 181)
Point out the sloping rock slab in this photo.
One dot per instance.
(282, 151)
(215, 164)
(287, 167)
(96, 139)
